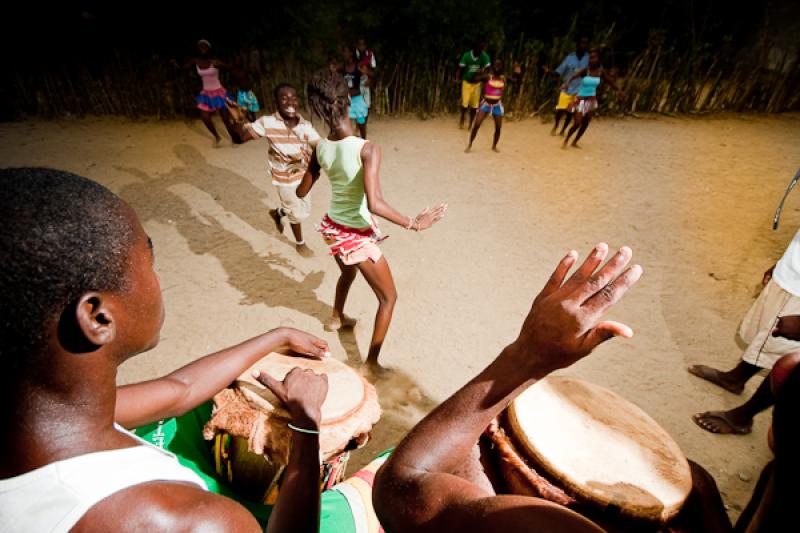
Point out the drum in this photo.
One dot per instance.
(578, 444)
(251, 436)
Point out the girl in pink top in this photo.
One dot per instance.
(213, 96)
(494, 85)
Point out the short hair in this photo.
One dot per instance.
(276, 91)
(61, 236)
(328, 96)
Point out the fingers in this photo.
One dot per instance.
(558, 275)
(604, 331)
(608, 273)
(588, 267)
(606, 297)
(277, 387)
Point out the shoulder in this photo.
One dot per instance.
(168, 507)
(369, 151)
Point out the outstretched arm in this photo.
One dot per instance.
(416, 490)
(189, 386)
(310, 177)
(371, 158)
(580, 74)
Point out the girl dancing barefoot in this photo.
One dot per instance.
(349, 228)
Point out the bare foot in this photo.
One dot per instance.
(575, 145)
(215, 142)
(721, 422)
(562, 133)
(304, 250)
(553, 132)
(467, 149)
(373, 370)
(564, 145)
(336, 323)
(494, 148)
(716, 377)
(276, 217)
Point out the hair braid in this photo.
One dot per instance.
(328, 96)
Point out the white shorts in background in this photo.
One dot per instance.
(296, 209)
(763, 349)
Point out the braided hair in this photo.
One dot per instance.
(328, 96)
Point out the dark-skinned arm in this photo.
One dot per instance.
(611, 83)
(187, 387)
(298, 507)
(371, 158)
(579, 74)
(310, 177)
(416, 491)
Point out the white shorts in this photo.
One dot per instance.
(763, 350)
(296, 209)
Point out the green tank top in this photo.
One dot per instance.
(341, 161)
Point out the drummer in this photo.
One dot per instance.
(82, 297)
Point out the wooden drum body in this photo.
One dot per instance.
(596, 446)
(251, 436)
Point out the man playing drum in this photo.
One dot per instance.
(81, 296)
(438, 480)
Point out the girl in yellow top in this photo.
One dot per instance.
(492, 104)
(349, 228)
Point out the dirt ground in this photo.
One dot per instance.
(694, 198)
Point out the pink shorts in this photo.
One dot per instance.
(352, 246)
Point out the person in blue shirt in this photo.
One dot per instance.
(577, 60)
(585, 101)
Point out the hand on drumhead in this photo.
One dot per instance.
(564, 323)
(302, 391)
(302, 343)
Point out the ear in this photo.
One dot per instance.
(94, 319)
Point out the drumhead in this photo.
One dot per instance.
(601, 447)
(346, 388)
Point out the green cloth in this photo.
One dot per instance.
(183, 436)
(341, 161)
(472, 65)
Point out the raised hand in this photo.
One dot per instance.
(564, 323)
(303, 343)
(302, 391)
(428, 217)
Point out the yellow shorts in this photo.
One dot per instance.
(564, 101)
(470, 94)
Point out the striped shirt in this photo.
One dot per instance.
(289, 149)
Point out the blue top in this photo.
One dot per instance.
(569, 67)
(588, 86)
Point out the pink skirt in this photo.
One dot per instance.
(351, 245)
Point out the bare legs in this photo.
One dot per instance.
(362, 128)
(472, 112)
(581, 123)
(380, 280)
(205, 116)
(560, 113)
(498, 124)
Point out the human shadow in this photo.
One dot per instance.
(262, 278)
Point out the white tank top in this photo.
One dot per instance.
(54, 497)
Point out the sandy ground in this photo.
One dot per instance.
(693, 198)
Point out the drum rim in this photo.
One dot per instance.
(654, 512)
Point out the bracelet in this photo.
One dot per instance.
(303, 430)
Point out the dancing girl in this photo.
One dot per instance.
(492, 104)
(213, 96)
(585, 103)
(349, 228)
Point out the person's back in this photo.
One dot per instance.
(341, 161)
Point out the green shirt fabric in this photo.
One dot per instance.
(472, 64)
(341, 161)
(183, 436)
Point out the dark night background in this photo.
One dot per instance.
(57, 55)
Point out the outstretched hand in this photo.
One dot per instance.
(302, 391)
(429, 216)
(302, 343)
(564, 324)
